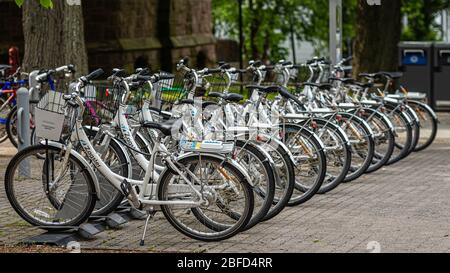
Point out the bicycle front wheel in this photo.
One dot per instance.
(229, 194)
(47, 191)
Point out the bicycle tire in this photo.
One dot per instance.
(9, 183)
(244, 218)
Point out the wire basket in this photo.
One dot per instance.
(240, 80)
(168, 92)
(53, 119)
(215, 82)
(273, 77)
(102, 103)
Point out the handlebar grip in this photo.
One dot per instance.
(213, 70)
(256, 63)
(143, 78)
(165, 77)
(71, 68)
(43, 77)
(97, 73)
(286, 63)
(185, 61)
(238, 71)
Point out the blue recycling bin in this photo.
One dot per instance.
(416, 61)
(441, 75)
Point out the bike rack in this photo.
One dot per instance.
(87, 231)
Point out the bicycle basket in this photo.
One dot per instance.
(53, 120)
(102, 103)
(169, 91)
(274, 77)
(215, 82)
(239, 81)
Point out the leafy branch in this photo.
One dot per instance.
(48, 4)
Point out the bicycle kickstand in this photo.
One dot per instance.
(150, 215)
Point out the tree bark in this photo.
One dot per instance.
(254, 28)
(54, 37)
(378, 30)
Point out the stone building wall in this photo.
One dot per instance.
(130, 33)
(10, 28)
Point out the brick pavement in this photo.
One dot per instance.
(405, 208)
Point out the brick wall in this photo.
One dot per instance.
(121, 33)
(10, 28)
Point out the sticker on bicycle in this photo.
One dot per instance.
(206, 146)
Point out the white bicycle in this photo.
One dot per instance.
(205, 196)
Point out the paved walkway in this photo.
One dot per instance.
(402, 208)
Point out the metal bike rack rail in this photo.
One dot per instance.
(87, 231)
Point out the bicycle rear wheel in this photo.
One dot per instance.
(47, 193)
(229, 195)
(285, 177)
(383, 137)
(337, 151)
(428, 124)
(310, 162)
(263, 179)
(403, 136)
(362, 145)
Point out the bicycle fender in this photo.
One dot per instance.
(338, 128)
(276, 142)
(270, 160)
(362, 121)
(426, 106)
(127, 157)
(381, 116)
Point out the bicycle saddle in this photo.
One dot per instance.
(4, 67)
(391, 75)
(323, 86)
(231, 97)
(370, 75)
(165, 127)
(343, 80)
(192, 102)
(363, 85)
(264, 89)
(224, 65)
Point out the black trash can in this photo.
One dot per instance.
(441, 75)
(416, 61)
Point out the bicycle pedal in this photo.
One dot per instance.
(125, 186)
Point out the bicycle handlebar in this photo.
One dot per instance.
(95, 74)
(43, 76)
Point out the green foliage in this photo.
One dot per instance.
(45, 3)
(421, 19)
(265, 18)
(272, 22)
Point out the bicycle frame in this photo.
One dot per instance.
(148, 185)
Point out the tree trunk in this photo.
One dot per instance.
(254, 28)
(54, 37)
(378, 30)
